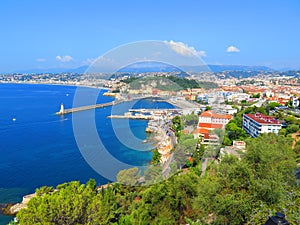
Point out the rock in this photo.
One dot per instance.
(13, 210)
(3, 207)
(10, 209)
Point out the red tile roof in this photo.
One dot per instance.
(263, 119)
(201, 131)
(212, 114)
(210, 137)
(210, 125)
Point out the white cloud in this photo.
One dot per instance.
(232, 49)
(65, 58)
(88, 61)
(181, 48)
(202, 53)
(41, 60)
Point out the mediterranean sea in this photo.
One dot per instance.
(38, 148)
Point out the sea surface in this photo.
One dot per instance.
(38, 148)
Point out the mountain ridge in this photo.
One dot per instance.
(155, 68)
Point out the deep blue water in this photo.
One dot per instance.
(39, 147)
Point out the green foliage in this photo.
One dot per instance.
(208, 108)
(227, 141)
(190, 83)
(169, 83)
(155, 157)
(257, 95)
(198, 153)
(273, 105)
(129, 80)
(177, 125)
(292, 128)
(129, 176)
(189, 145)
(191, 119)
(292, 120)
(234, 191)
(234, 131)
(153, 174)
(180, 156)
(66, 206)
(282, 132)
(44, 190)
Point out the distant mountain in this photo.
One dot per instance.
(81, 69)
(220, 68)
(151, 66)
(142, 67)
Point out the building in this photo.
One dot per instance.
(295, 101)
(213, 118)
(237, 97)
(208, 122)
(255, 124)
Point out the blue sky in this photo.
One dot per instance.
(55, 33)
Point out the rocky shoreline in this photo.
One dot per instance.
(4, 208)
(13, 209)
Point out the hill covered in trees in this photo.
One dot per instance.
(168, 83)
(233, 191)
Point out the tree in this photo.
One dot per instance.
(227, 141)
(208, 108)
(129, 176)
(273, 105)
(44, 190)
(103, 208)
(189, 145)
(153, 174)
(155, 157)
(292, 128)
(191, 119)
(66, 206)
(233, 191)
(177, 125)
(282, 132)
(234, 132)
(180, 156)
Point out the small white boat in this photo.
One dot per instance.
(14, 119)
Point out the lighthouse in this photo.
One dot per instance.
(62, 108)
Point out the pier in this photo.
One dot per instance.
(179, 103)
(83, 108)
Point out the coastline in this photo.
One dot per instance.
(59, 84)
(66, 85)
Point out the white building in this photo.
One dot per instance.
(295, 102)
(237, 97)
(213, 118)
(255, 124)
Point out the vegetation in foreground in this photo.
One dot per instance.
(233, 191)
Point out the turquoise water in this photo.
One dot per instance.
(38, 148)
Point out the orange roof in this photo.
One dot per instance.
(208, 113)
(210, 125)
(212, 114)
(210, 137)
(201, 131)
